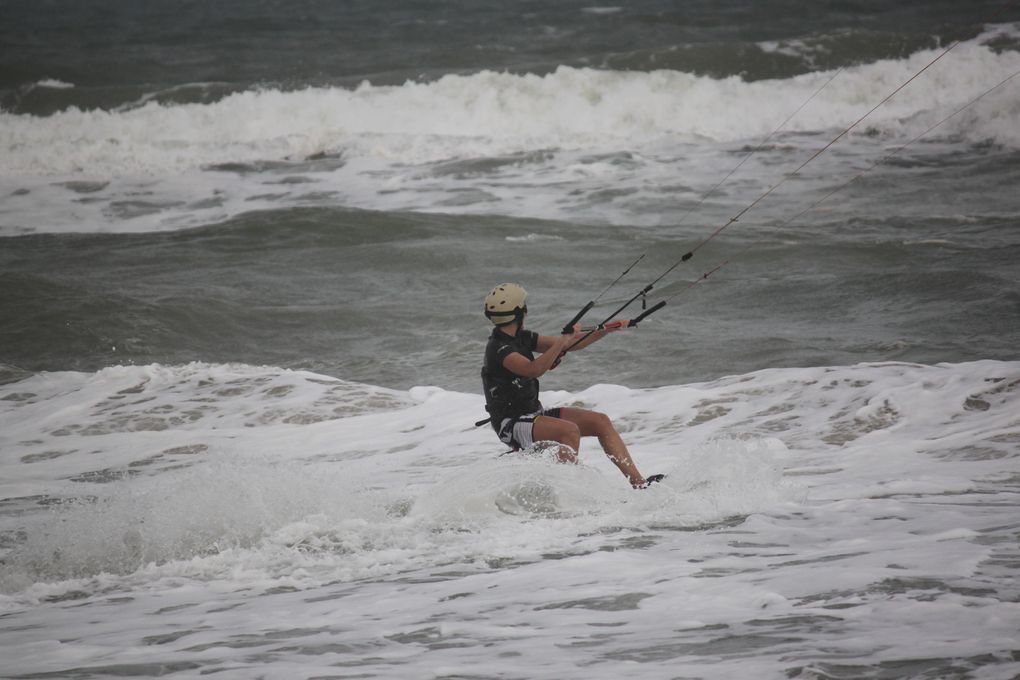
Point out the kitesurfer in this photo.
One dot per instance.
(510, 376)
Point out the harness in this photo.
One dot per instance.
(507, 394)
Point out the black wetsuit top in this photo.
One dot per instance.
(508, 395)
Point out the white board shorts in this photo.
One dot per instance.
(518, 433)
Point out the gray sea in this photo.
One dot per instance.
(243, 253)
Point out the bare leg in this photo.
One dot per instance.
(547, 428)
(594, 424)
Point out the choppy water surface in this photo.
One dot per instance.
(243, 254)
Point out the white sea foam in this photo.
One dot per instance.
(578, 144)
(534, 237)
(200, 516)
(490, 114)
(54, 84)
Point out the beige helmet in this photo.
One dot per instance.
(506, 303)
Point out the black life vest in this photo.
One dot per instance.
(508, 395)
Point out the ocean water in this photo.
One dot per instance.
(243, 249)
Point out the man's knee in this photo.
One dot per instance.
(571, 433)
(601, 423)
(562, 431)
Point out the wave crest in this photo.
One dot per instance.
(492, 113)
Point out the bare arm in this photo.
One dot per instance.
(551, 348)
(545, 341)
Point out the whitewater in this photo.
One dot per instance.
(242, 331)
(244, 521)
(465, 144)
